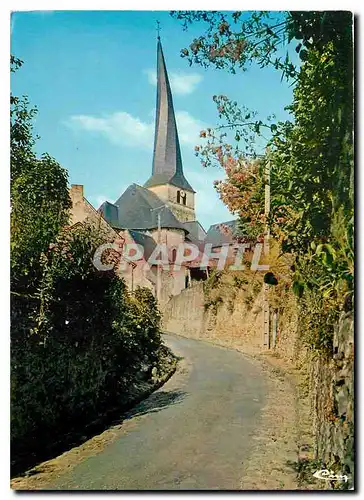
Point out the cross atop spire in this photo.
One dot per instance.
(167, 160)
(158, 30)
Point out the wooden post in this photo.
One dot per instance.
(266, 313)
(274, 328)
(267, 204)
(159, 270)
(266, 325)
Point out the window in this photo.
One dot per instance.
(174, 254)
(181, 197)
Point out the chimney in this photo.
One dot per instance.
(76, 193)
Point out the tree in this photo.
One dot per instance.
(311, 155)
(81, 344)
(38, 194)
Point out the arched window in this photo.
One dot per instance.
(184, 198)
(174, 254)
(178, 196)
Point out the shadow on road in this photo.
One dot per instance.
(156, 402)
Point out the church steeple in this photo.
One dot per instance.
(167, 160)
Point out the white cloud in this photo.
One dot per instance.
(189, 128)
(121, 128)
(181, 83)
(114, 193)
(98, 200)
(151, 75)
(118, 128)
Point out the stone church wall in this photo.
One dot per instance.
(168, 193)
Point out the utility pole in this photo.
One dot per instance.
(159, 270)
(267, 204)
(266, 312)
(159, 235)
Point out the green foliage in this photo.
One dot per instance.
(80, 342)
(310, 156)
(234, 39)
(85, 350)
(38, 194)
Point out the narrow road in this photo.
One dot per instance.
(193, 433)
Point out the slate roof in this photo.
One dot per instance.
(195, 230)
(145, 241)
(110, 213)
(167, 160)
(134, 211)
(217, 235)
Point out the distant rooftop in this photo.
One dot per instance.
(221, 233)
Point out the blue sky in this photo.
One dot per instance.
(91, 75)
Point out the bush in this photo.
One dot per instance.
(79, 341)
(82, 348)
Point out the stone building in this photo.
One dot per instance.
(160, 211)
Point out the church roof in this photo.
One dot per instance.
(167, 160)
(145, 241)
(135, 210)
(195, 230)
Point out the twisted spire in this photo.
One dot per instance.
(167, 160)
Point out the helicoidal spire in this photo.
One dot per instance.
(167, 160)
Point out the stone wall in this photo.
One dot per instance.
(325, 387)
(232, 320)
(184, 313)
(332, 400)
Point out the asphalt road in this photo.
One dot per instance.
(192, 434)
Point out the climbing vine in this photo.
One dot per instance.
(310, 155)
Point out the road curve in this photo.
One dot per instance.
(194, 433)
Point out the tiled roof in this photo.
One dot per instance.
(110, 213)
(195, 230)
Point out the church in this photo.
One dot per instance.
(160, 211)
